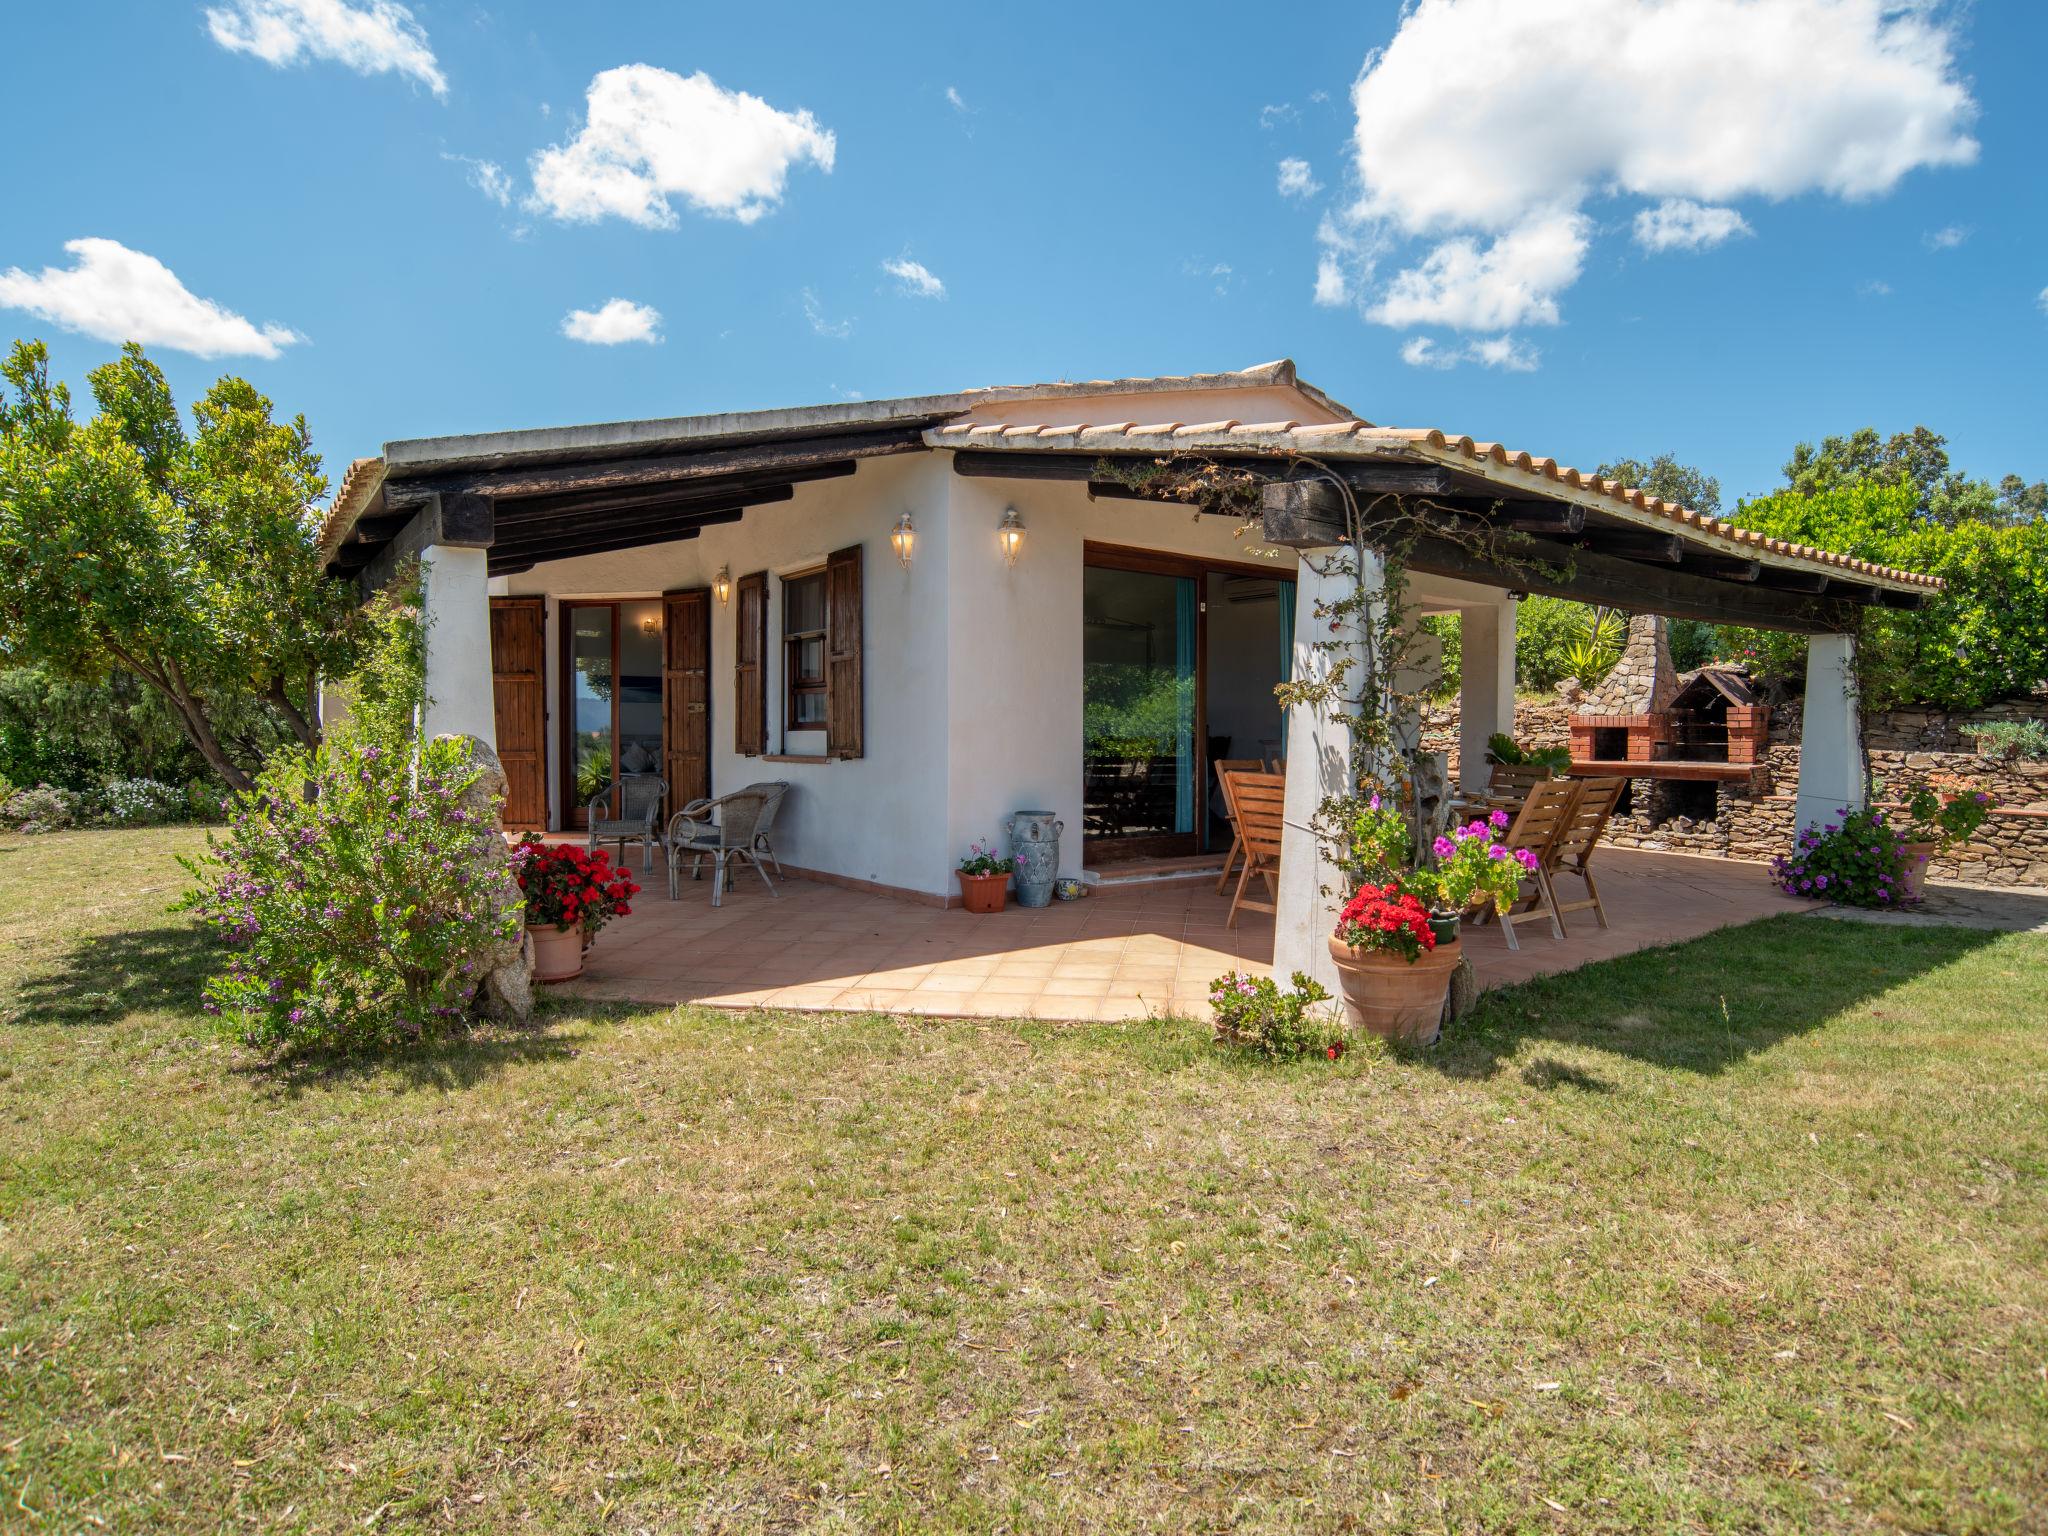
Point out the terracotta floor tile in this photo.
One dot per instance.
(949, 982)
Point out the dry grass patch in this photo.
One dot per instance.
(1746, 1234)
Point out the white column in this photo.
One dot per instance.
(1486, 685)
(1319, 765)
(1830, 735)
(455, 603)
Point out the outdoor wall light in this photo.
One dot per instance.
(1010, 534)
(722, 583)
(903, 537)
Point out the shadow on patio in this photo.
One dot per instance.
(1122, 953)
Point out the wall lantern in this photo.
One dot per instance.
(903, 538)
(1010, 533)
(722, 583)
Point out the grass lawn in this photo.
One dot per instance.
(1747, 1234)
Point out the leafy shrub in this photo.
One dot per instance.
(364, 900)
(1946, 817)
(1253, 1013)
(139, 803)
(42, 809)
(1857, 860)
(1544, 630)
(1595, 644)
(1470, 868)
(1504, 749)
(2013, 741)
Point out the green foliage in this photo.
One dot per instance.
(1544, 630)
(1504, 749)
(1134, 712)
(1597, 637)
(1450, 635)
(1693, 643)
(1251, 1012)
(2013, 741)
(1917, 460)
(361, 898)
(1947, 820)
(982, 859)
(1984, 638)
(1664, 476)
(385, 693)
(189, 560)
(1857, 860)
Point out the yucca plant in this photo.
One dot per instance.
(1595, 645)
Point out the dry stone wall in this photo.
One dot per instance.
(1904, 745)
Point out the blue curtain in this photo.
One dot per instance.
(1184, 601)
(1286, 649)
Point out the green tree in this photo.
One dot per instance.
(1664, 476)
(1919, 458)
(188, 560)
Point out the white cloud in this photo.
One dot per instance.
(616, 321)
(1281, 112)
(1874, 288)
(1512, 280)
(1680, 224)
(487, 176)
(837, 330)
(1946, 238)
(1507, 352)
(954, 99)
(915, 278)
(115, 294)
(2042, 301)
(650, 135)
(1498, 121)
(1297, 180)
(372, 38)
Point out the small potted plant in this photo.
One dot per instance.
(570, 894)
(1471, 869)
(984, 878)
(1393, 971)
(1940, 817)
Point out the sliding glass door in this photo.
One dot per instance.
(1141, 701)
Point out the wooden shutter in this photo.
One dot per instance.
(518, 684)
(749, 673)
(843, 715)
(686, 695)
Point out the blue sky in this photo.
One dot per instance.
(1846, 220)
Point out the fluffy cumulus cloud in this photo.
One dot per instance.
(1486, 128)
(615, 321)
(915, 278)
(1297, 180)
(649, 136)
(117, 295)
(1680, 224)
(372, 38)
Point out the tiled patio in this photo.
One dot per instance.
(1125, 952)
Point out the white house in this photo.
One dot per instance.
(927, 613)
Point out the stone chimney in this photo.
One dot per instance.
(1628, 716)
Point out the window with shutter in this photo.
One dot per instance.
(843, 637)
(749, 675)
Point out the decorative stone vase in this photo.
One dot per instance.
(557, 952)
(1914, 886)
(1035, 845)
(982, 893)
(1393, 997)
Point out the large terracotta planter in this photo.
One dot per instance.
(1393, 997)
(557, 952)
(982, 893)
(1914, 886)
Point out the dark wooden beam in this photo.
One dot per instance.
(1551, 517)
(1721, 567)
(1907, 601)
(721, 486)
(457, 521)
(516, 533)
(569, 548)
(1634, 544)
(1370, 476)
(1303, 514)
(1782, 580)
(617, 474)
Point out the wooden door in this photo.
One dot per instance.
(686, 695)
(518, 691)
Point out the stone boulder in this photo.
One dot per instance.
(506, 995)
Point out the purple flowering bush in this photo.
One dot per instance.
(1252, 1012)
(359, 897)
(1857, 860)
(1470, 867)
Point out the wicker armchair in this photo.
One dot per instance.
(727, 831)
(629, 808)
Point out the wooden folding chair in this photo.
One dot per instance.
(1513, 781)
(1572, 853)
(1258, 799)
(1536, 828)
(1225, 766)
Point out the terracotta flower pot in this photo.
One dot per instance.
(982, 893)
(1390, 996)
(1914, 886)
(557, 952)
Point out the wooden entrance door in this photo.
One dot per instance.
(686, 695)
(518, 689)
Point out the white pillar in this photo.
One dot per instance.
(1486, 685)
(455, 603)
(1830, 735)
(1319, 765)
